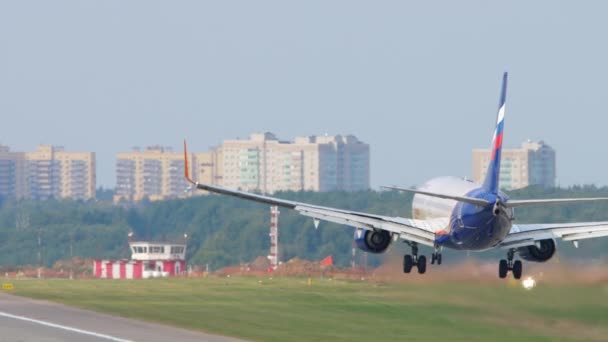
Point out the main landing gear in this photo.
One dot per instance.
(410, 261)
(504, 266)
(436, 256)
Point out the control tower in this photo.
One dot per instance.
(148, 260)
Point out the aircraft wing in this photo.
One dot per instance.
(522, 235)
(420, 231)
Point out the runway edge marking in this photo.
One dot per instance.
(63, 327)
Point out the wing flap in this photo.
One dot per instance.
(528, 234)
(417, 239)
(519, 203)
(583, 236)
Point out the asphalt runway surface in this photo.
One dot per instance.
(25, 320)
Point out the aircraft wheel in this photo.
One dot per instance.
(439, 259)
(421, 264)
(503, 268)
(517, 269)
(408, 263)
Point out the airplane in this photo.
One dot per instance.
(449, 212)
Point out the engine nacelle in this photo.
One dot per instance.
(373, 241)
(538, 254)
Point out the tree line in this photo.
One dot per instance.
(227, 231)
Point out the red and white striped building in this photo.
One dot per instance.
(148, 260)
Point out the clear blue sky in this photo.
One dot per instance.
(417, 80)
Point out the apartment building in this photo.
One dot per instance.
(48, 172)
(315, 163)
(532, 164)
(155, 173)
(12, 180)
(261, 163)
(77, 174)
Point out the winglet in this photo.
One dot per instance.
(490, 184)
(186, 168)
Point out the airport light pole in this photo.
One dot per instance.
(185, 251)
(39, 253)
(129, 240)
(274, 237)
(72, 255)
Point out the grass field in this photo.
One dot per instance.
(287, 309)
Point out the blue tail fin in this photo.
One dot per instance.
(490, 184)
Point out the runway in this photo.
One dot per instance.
(25, 320)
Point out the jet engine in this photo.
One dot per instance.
(538, 253)
(373, 241)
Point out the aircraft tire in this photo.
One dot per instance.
(438, 259)
(517, 269)
(408, 263)
(421, 264)
(503, 268)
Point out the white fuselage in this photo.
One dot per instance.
(428, 207)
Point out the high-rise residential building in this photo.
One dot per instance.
(532, 164)
(77, 177)
(316, 163)
(261, 163)
(155, 173)
(12, 174)
(49, 172)
(206, 167)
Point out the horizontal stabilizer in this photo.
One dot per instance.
(520, 203)
(477, 201)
